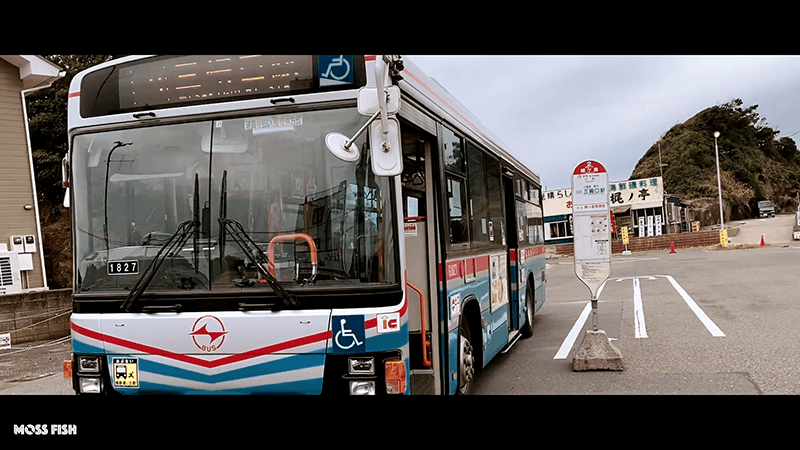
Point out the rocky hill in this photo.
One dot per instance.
(755, 164)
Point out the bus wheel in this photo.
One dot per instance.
(527, 329)
(466, 360)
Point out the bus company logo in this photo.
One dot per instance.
(208, 333)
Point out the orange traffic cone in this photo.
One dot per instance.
(672, 247)
(762, 240)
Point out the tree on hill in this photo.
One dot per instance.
(754, 163)
(47, 123)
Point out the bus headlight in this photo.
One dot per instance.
(88, 364)
(89, 385)
(362, 388)
(361, 365)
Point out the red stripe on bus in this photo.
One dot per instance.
(270, 349)
(470, 266)
(74, 94)
(533, 251)
(454, 269)
(461, 267)
(482, 263)
(310, 339)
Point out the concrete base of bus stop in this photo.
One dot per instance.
(597, 353)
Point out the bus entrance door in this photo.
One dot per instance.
(417, 289)
(418, 231)
(512, 257)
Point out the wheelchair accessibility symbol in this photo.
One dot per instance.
(348, 334)
(335, 69)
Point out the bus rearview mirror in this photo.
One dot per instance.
(387, 153)
(368, 103)
(342, 147)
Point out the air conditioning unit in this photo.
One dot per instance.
(10, 279)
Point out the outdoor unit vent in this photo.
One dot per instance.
(10, 282)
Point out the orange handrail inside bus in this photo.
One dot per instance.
(292, 237)
(425, 342)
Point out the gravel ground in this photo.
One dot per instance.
(32, 361)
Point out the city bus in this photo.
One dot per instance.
(293, 224)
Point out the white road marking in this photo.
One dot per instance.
(627, 260)
(638, 312)
(569, 341)
(709, 324)
(566, 346)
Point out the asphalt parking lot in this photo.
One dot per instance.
(36, 368)
(775, 230)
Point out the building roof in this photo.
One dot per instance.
(35, 71)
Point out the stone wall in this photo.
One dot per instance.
(36, 316)
(656, 243)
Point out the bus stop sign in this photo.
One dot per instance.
(591, 225)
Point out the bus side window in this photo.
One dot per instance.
(412, 207)
(457, 200)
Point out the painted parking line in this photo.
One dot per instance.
(566, 346)
(709, 324)
(638, 312)
(569, 341)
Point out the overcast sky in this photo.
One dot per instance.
(555, 111)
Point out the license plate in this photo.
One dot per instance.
(125, 267)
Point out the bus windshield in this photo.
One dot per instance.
(323, 222)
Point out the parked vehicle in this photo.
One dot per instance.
(765, 208)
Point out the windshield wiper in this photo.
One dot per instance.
(170, 248)
(247, 245)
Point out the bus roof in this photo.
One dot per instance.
(433, 95)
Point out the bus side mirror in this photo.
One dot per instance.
(65, 179)
(387, 152)
(378, 102)
(368, 103)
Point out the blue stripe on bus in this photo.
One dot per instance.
(310, 386)
(79, 346)
(286, 364)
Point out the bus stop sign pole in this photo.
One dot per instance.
(592, 243)
(591, 227)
